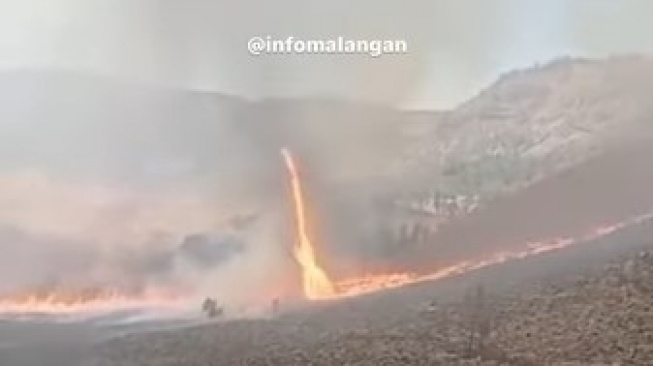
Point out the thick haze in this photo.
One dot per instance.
(93, 170)
(456, 47)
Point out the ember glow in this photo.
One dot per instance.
(316, 283)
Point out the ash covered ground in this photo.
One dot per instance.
(67, 340)
(536, 311)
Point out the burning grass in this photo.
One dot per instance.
(317, 283)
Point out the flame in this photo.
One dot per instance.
(374, 283)
(94, 299)
(318, 286)
(315, 281)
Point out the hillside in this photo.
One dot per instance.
(535, 125)
(532, 123)
(526, 127)
(604, 190)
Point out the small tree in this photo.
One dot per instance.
(211, 309)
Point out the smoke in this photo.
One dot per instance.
(112, 185)
(456, 47)
(607, 27)
(62, 237)
(107, 184)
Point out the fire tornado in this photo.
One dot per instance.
(318, 286)
(316, 283)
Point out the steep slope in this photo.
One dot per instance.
(528, 127)
(533, 123)
(605, 190)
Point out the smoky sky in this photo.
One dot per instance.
(455, 47)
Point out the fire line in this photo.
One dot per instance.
(316, 283)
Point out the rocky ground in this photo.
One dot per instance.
(590, 305)
(602, 317)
